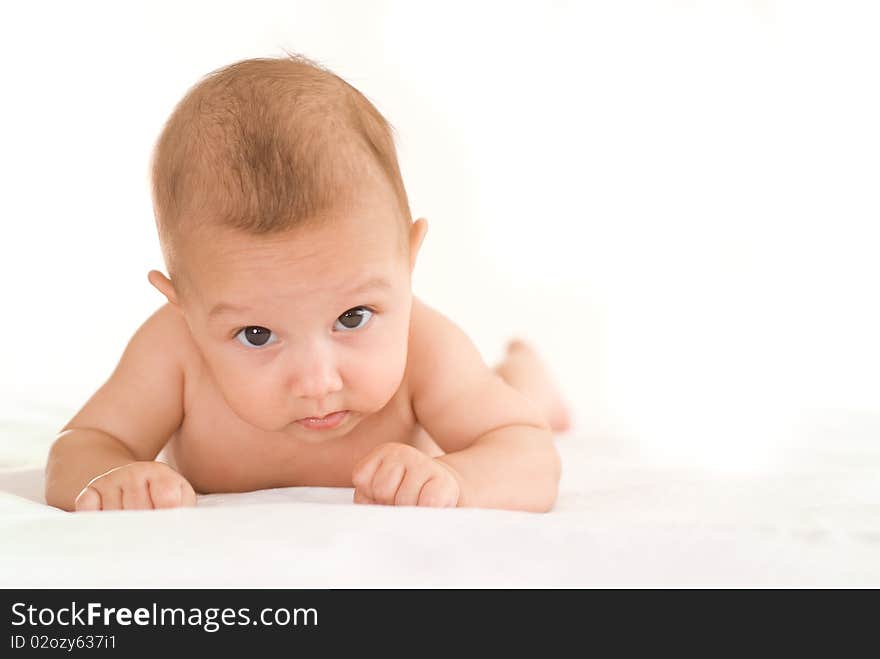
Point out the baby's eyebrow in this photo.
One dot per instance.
(375, 282)
(226, 307)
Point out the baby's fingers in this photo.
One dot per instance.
(438, 493)
(111, 496)
(88, 499)
(136, 497)
(386, 481)
(360, 497)
(411, 487)
(362, 474)
(171, 493)
(188, 494)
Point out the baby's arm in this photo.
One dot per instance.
(103, 459)
(499, 448)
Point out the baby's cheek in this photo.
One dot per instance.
(378, 378)
(256, 400)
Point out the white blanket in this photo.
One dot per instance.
(619, 521)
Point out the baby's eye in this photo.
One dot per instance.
(353, 319)
(253, 336)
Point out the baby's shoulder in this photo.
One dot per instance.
(436, 343)
(428, 327)
(166, 329)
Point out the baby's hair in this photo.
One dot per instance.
(265, 145)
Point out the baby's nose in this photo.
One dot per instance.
(314, 377)
(317, 386)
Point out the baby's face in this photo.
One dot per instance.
(306, 323)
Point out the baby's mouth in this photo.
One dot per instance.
(325, 422)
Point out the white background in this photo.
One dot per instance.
(677, 202)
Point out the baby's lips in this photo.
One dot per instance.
(328, 421)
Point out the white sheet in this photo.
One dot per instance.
(619, 522)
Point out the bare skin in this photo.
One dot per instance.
(523, 370)
(227, 396)
(209, 449)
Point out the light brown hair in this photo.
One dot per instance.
(265, 145)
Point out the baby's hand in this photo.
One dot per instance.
(401, 475)
(136, 486)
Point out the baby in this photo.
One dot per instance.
(291, 350)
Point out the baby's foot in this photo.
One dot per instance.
(524, 370)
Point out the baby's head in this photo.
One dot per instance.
(289, 243)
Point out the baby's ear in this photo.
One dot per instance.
(163, 285)
(416, 236)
